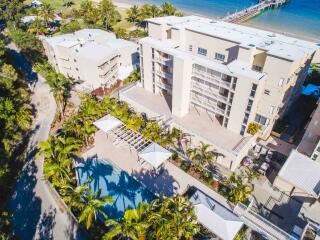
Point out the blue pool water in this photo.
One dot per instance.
(300, 17)
(126, 192)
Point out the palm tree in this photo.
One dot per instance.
(94, 203)
(201, 156)
(154, 11)
(46, 13)
(132, 225)
(240, 191)
(73, 196)
(121, 33)
(37, 28)
(89, 11)
(133, 14)
(108, 13)
(172, 218)
(168, 9)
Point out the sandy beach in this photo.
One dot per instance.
(125, 5)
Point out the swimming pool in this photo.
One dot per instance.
(126, 192)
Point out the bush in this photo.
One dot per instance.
(185, 166)
(71, 26)
(253, 128)
(174, 155)
(207, 177)
(25, 40)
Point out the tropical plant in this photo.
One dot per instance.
(37, 28)
(74, 196)
(253, 128)
(240, 190)
(133, 14)
(46, 13)
(133, 224)
(121, 33)
(108, 13)
(201, 156)
(88, 10)
(172, 218)
(94, 203)
(168, 9)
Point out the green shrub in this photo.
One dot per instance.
(253, 128)
(185, 166)
(174, 155)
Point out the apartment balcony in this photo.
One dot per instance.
(164, 74)
(110, 73)
(211, 78)
(207, 104)
(163, 85)
(210, 92)
(108, 64)
(164, 61)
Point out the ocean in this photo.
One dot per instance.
(297, 17)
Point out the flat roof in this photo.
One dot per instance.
(234, 68)
(96, 52)
(275, 44)
(302, 172)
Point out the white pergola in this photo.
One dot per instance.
(150, 152)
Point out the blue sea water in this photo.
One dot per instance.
(298, 17)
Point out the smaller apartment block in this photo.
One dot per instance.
(234, 73)
(310, 143)
(92, 57)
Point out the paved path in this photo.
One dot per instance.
(35, 212)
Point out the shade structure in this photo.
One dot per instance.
(107, 123)
(154, 154)
(226, 229)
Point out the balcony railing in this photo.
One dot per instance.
(164, 74)
(211, 78)
(207, 104)
(210, 92)
(164, 85)
(165, 61)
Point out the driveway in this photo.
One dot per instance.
(36, 214)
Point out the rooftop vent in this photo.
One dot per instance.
(251, 45)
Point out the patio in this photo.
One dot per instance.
(170, 181)
(200, 125)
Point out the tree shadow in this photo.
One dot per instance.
(162, 184)
(96, 170)
(46, 225)
(24, 205)
(23, 66)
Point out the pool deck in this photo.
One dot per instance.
(170, 182)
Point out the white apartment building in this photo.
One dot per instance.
(92, 57)
(235, 73)
(310, 143)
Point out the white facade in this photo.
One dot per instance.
(236, 74)
(92, 57)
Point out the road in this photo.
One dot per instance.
(36, 214)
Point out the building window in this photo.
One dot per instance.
(253, 90)
(249, 106)
(202, 51)
(219, 56)
(74, 60)
(267, 91)
(314, 157)
(256, 68)
(77, 69)
(246, 117)
(243, 129)
(261, 119)
(190, 48)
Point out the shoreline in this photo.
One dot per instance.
(125, 4)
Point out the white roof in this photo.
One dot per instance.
(275, 44)
(36, 3)
(107, 123)
(302, 172)
(215, 217)
(155, 155)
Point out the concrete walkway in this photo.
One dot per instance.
(36, 214)
(171, 181)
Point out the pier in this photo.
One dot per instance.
(250, 12)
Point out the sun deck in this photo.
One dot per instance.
(201, 126)
(172, 180)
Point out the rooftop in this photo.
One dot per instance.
(234, 68)
(215, 217)
(275, 44)
(302, 172)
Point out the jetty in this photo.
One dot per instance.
(250, 12)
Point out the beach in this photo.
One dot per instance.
(257, 22)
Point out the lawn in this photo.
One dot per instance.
(58, 4)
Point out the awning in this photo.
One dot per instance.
(155, 155)
(107, 123)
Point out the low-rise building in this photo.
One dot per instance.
(92, 57)
(310, 143)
